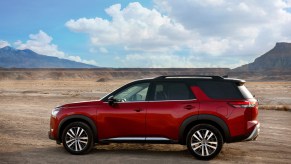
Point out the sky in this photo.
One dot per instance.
(147, 33)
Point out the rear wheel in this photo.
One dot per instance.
(204, 141)
(77, 138)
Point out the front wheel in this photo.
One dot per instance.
(77, 138)
(204, 141)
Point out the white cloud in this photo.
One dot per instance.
(134, 28)
(78, 59)
(243, 24)
(217, 32)
(150, 60)
(3, 43)
(154, 60)
(41, 44)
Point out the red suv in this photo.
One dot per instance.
(202, 112)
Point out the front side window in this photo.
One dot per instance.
(172, 91)
(137, 92)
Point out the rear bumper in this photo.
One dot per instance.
(254, 134)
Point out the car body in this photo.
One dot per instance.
(202, 112)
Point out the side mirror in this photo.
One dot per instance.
(111, 100)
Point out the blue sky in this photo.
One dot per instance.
(158, 33)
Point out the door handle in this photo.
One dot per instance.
(189, 107)
(138, 110)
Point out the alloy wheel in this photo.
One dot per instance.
(76, 139)
(204, 142)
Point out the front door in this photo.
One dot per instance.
(125, 119)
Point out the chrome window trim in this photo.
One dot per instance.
(154, 101)
(129, 102)
(172, 100)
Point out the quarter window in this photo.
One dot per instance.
(220, 89)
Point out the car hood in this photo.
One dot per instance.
(82, 104)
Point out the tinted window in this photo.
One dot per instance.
(137, 92)
(172, 91)
(245, 92)
(220, 89)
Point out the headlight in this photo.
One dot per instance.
(55, 111)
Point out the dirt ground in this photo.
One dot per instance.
(25, 108)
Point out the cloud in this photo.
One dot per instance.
(3, 43)
(41, 44)
(78, 59)
(217, 32)
(134, 27)
(243, 25)
(150, 60)
(154, 61)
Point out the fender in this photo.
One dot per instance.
(80, 117)
(200, 118)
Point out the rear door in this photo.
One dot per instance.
(170, 103)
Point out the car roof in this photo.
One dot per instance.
(193, 78)
(190, 78)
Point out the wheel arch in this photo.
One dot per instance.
(76, 118)
(203, 119)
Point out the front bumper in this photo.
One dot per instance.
(254, 134)
(50, 136)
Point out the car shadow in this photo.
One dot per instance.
(142, 149)
(113, 153)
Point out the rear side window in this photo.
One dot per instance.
(172, 91)
(220, 89)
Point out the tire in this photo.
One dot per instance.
(77, 138)
(204, 141)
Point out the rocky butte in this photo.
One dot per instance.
(275, 60)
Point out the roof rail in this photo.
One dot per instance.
(210, 76)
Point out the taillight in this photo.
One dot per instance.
(242, 104)
(251, 108)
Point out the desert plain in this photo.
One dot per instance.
(25, 108)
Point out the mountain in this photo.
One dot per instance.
(13, 58)
(277, 59)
